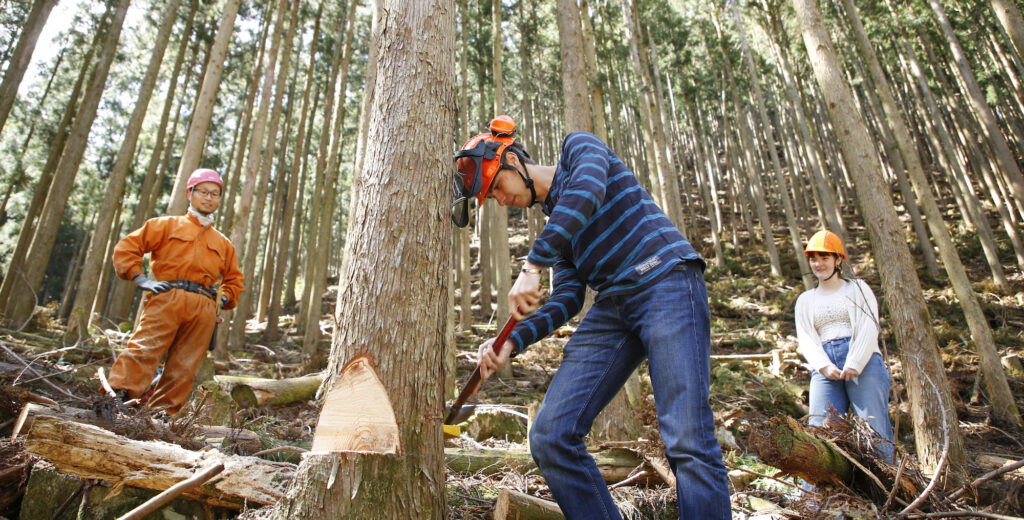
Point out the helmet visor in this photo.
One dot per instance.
(461, 201)
(467, 179)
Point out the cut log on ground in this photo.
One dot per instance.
(784, 444)
(251, 392)
(616, 464)
(520, 506)
(217, 436)
(90, 452)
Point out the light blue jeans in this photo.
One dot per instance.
(668, 323)
(868, 394)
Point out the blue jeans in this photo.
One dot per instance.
(668, 323)
(868, 393)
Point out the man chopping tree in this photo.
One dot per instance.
(188, 259)
(603, 231)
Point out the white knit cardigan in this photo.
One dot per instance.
(863, 309)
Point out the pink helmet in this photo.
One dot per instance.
(204, 175)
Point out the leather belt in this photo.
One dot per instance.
(193, 287)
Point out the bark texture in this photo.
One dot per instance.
(396, 267)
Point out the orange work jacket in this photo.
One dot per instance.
(182, 249)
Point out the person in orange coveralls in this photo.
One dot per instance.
(188, 258)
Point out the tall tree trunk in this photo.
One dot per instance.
(989, 124)
(369, 84)
(767, 133)
(933, 411)
(950, 161)
(1004, 409)
(234, 186)
(103, 289)
(574, 70)
(70, 277)
(753, 180)
(313, 228)
(294, 264)
(465, 260)
(593, 76)
(265, 162)
(1012, 21)
(321, 255)
(22, 55)
(15, 275)
(199, 126)
(272, 333)
(82, 310)
(660, 126)
(21, 304)
(388, 223)
(499, 214)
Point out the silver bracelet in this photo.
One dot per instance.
(531, 270)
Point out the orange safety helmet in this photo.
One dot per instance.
(825, 241)
(479, 161)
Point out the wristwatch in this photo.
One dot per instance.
(531, 270)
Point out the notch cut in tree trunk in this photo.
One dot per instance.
(357, 414)
(90, 452)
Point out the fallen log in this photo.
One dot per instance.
(993, 462)
(520, 506)
(250, 392)
(616, 464)
(90, 452)
(217, 436)
(782, 443)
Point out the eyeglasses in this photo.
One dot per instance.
(207, 194)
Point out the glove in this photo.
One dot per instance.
(151, 285)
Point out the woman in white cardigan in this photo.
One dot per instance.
(837, 330)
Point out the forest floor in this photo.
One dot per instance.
(752, 312)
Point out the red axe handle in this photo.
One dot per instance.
(474, 380)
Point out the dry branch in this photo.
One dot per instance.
(171, 493)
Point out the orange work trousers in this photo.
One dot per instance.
(179, 324)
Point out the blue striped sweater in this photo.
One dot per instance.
(603, 230)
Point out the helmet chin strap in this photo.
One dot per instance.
(835, 271)
(525, 175)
